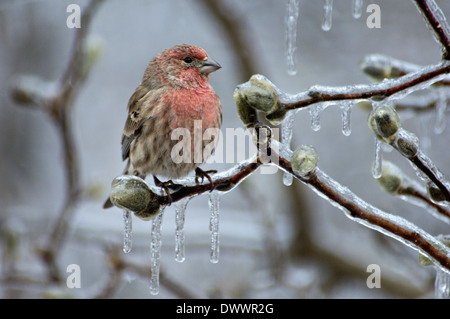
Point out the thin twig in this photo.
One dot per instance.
(58, 107)
(379, 91)
(436, 25)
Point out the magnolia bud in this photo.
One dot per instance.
(132, 193)
(384, 123)
(304, 160)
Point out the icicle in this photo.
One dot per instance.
(213, 202)
(327, 15)
(357, 8)
(291, 35)
(286, 137)
(180, 209)
(346, 108)
(378, 163)
(314, 112)
(155, 251)
(441, 107)
(442, 285)
(128, 223)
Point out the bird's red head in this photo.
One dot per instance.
(186, 65)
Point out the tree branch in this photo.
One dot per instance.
(306, 171)
(436, 20)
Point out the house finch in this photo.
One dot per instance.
(174, 94)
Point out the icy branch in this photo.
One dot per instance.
(392, 88)
(56, 100)
(437, 22)
(304, 168)
(385, 124)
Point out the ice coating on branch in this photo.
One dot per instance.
(380, 67)
(442, 281)
(180, 210)
(442, 285)
(155, 252)
(346, 109)
(327, 15)
(378, 161)
(357, 8)
(213, 202)
(291, 35)
(286, 137)
(441, 19)
(397, 220)
(395, 182)
(127, 231)
(441, 107)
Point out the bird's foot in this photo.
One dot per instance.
(166, 186)
(199, 173)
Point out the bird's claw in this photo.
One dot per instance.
(166, 186)
(199, 173)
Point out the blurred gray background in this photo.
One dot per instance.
(276, 241)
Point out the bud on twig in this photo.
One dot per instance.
(391, 178)
(304, 160)
(132, 193)
(384, 123)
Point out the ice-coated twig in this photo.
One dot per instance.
(56, 101)
(385, 124)
(304, 168)
(423, 78)
(395, 182)
(436, 20)
(362, 212)
(277, 103)
(380, 67)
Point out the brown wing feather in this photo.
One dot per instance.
(134, 121)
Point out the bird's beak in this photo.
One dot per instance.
(209, 66)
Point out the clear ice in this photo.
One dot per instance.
(346, 108)
(397, 220)
(378, 162)
(357, 8)
(213, 202)
(327, 15)
(155, 252)
(314, 112)
(127, 231)
(442, 285)
(180, 210)
(286, 137)
(291, 35)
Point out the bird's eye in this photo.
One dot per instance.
(187, 59)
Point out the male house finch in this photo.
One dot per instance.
(174, 94)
